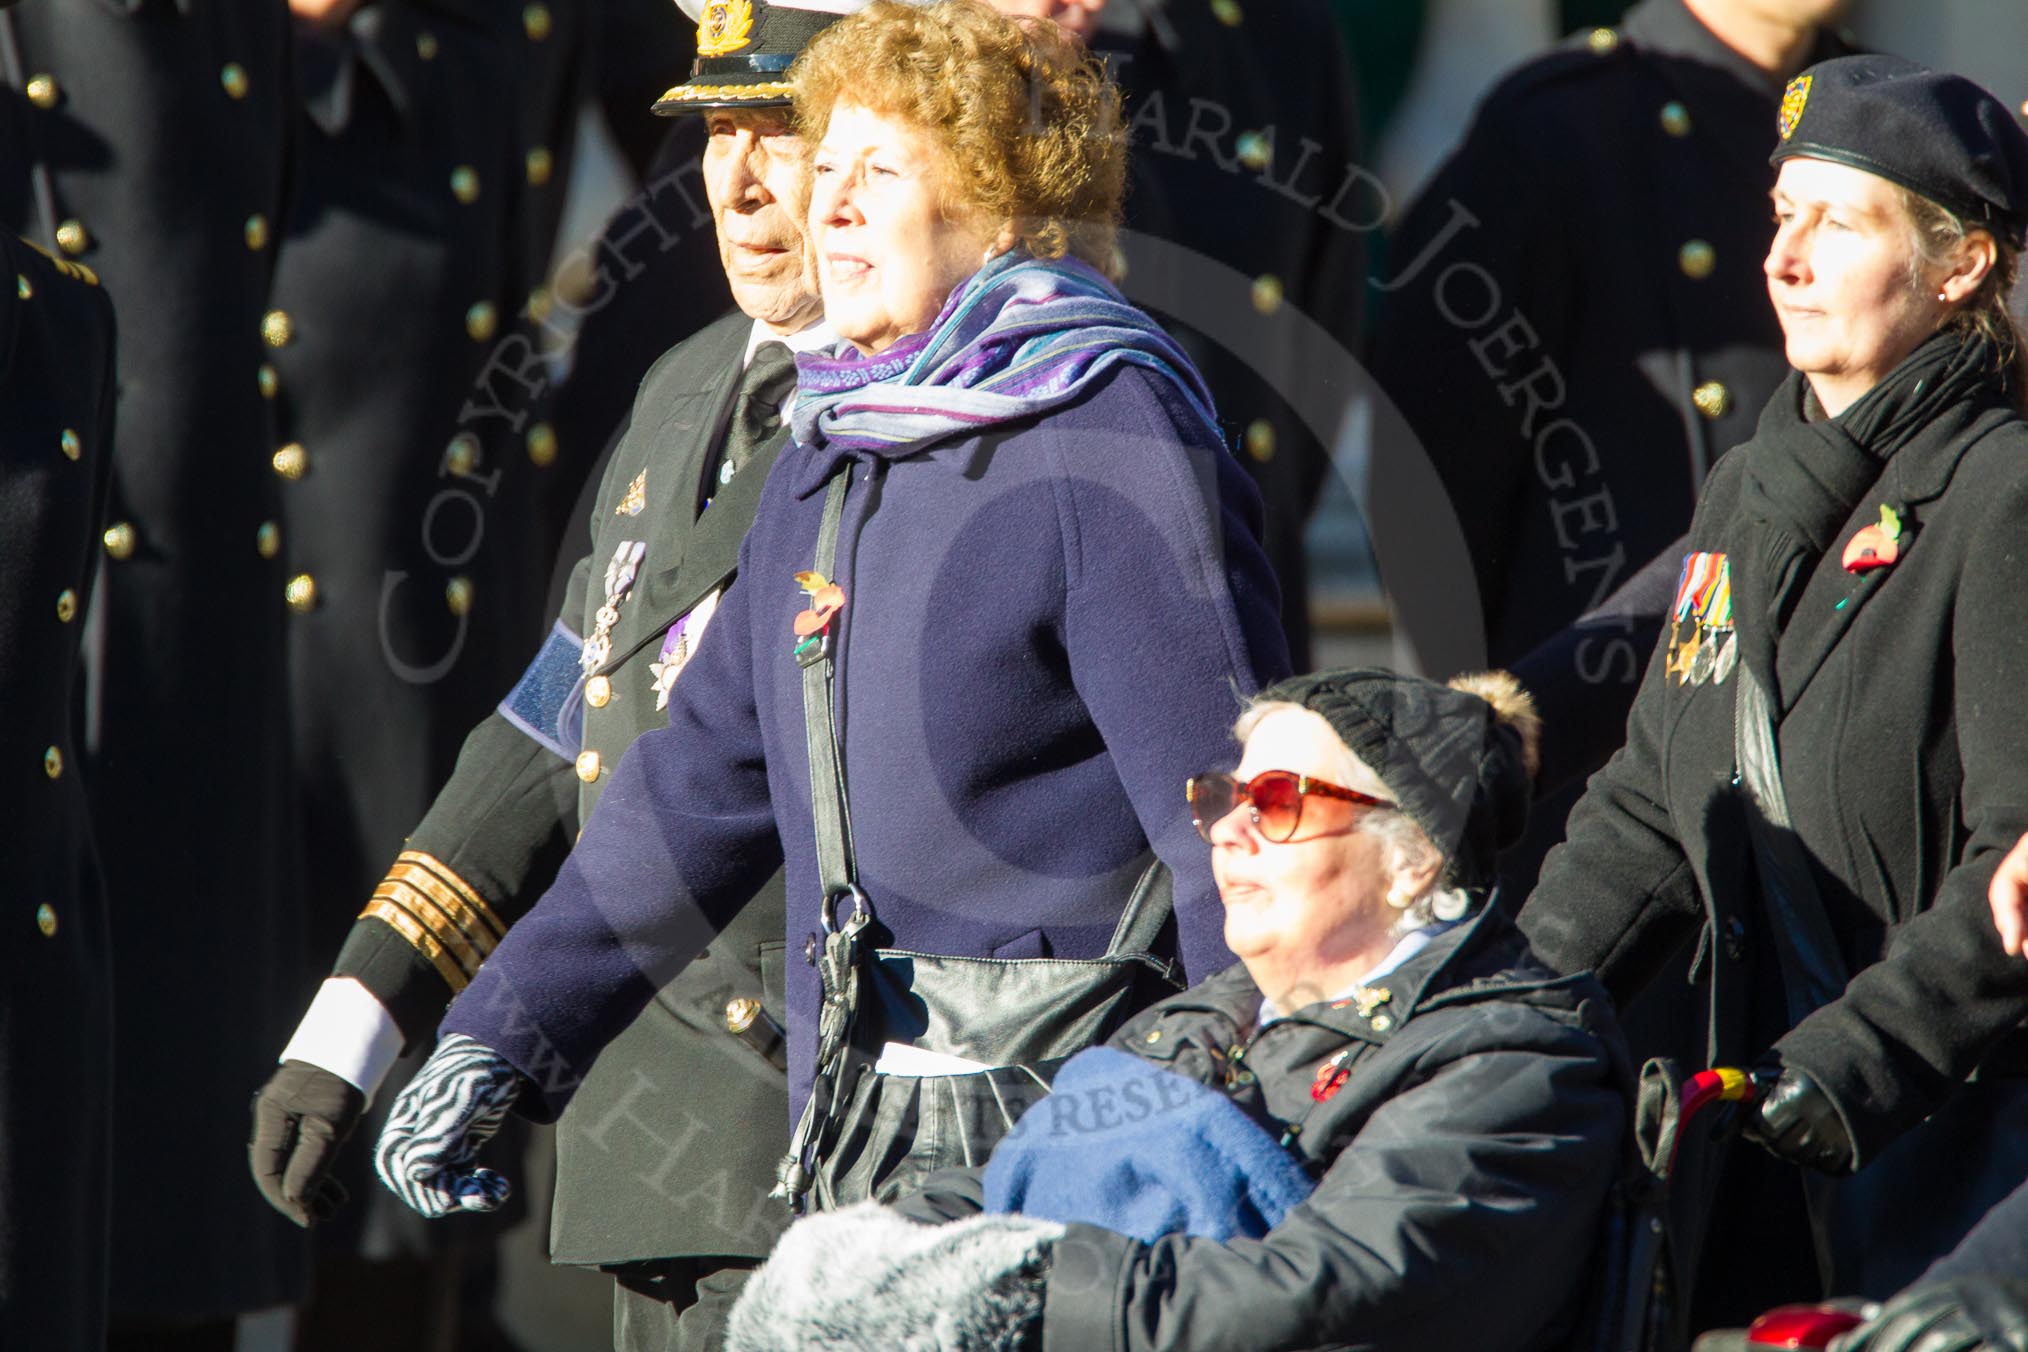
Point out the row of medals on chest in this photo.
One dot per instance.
(622, 570)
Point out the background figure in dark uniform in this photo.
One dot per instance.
(1245, 124)
(413, 459)
(666, 1159)
(56, 412)
(145, 139)
(1574, 325)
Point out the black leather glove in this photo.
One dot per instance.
(300, 1118)
(1795, 1119)
(1966, 1314)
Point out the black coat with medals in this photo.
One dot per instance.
(1897, 714)
(1575, 324)
(669, 1149)
(146, 139)
(56, 409)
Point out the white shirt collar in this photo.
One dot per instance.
(818, 335)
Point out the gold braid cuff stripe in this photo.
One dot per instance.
(464, 890)
(408, 928)
(432, 905)
(685, 93)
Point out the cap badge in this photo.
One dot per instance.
(1793, 99)
(725, 27)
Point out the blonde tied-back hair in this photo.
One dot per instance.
(1936, 234)
(1024, 119)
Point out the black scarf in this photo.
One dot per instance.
(1806, 474)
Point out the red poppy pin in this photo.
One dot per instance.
(1331, 1077)
(827, 598)
(1877, 545)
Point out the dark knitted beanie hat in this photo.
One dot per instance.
(1457, 759)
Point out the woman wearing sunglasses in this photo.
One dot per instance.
(1452, 1109)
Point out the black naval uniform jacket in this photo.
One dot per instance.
(1904, 753)
(669, 1149)
(146, 139)
(56, 411)
(1574, 322)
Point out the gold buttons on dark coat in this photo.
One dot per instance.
(465, 184)
(291, 461)
(45, 920)
(1267, 293)
(1227, 12)
(535, 21)
(1675, 118)
(66, 606)
(598, 692)
(458, 595)
(542, 445)
(1712, 399)
(480, 321)
(72, 238)
(588, 766)
(1260, 440)
(120, 540)
(301, 593)
(1697, 258)
(462, 455)
(539, 301)
(1603, 40)
(42, 91)
(540, 164)
(52, 763)
(22, 286)
(268, 540)
(256, 232)
(426, 46)
(232, 76)
(269, 379)
(277, 329)
(72, 447)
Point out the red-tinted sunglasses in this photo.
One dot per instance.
(1276, 797)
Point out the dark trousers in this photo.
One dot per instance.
(676, 1305)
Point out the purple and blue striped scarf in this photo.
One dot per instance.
(1023, 336)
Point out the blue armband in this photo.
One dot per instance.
(544, 703)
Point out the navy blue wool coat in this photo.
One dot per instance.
(1048, 626)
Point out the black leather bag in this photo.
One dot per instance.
(865, 1133)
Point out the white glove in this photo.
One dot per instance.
(452, 1107)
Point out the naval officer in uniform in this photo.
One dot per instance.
(665, 1163)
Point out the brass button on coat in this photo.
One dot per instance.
(1697, 258)
(291, 461)
(465, 184)
(1675, 118)
(458, 595)
(72, 447)
(45, 920)
(119, 540)
(1267, 293)
(538, 305)
(72, 238)
(588, 766)
(22, 287)
(256, 231)
(1227, 12)
(540, 165)
(268, 540)
(269, 379)
(462, 455)
(66, 606)
(301, 593)
(542, 445)
(43, 91)
(277, 328)
(426, 46)
(1260, 440)
(1255, 151)
(1603, 40)
(535, 21)
(598, 692)
(480, 321)
(52, 763)
(1712, 399)
(233, 77)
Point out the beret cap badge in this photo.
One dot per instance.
(1793, 98)
(725, 27)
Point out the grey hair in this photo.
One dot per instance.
(1405, 845)
(1936, 234)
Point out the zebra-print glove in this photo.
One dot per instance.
(452, 1107)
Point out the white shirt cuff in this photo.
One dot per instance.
(347, 1032)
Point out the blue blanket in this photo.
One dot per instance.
(1123, 1144)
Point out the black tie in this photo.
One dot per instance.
(756, 412)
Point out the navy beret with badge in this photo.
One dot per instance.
(1934, 133)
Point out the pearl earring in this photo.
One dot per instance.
(1942, 297)
(1400, 897)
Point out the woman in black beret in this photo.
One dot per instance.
(1830, 757)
